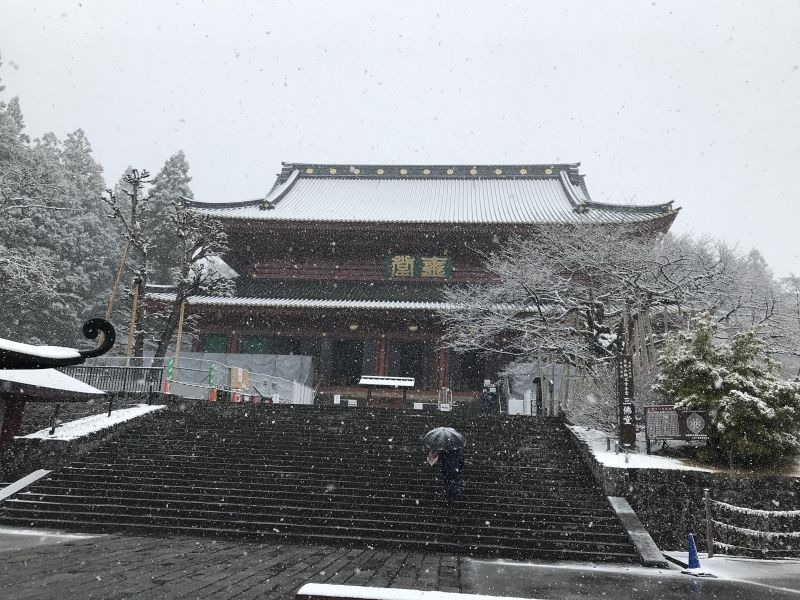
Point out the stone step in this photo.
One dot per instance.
(421, 512)
(545, 551)
(372, 465)
(333, 527)
(568, 505)
(338, 477)
(266, 478)
(210, 514)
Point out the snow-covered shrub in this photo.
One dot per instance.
(756, 414)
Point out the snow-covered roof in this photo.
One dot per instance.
(212, 301)
(46, 383)
(215, 263)
(52, 352)
(500, 194)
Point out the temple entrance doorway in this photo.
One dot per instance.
(346, 362)
(469, 371)
(412, 359)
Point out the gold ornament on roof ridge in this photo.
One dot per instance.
(379, 171)
(309, 171)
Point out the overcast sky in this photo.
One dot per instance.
(696, 101)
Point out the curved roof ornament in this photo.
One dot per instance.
(15, 355)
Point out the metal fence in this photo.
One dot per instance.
(193, 378)
(118, 378)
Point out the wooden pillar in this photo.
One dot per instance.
(325, 361)
(382, 360)
(443, 358)
(233, 346)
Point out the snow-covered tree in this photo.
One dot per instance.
(167, 242)
(169, 186)
(55, 253)
(756, 414)
(565, 291)
(751, 297)
(127, 203)
(198, 239)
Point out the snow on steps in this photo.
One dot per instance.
(79, 428)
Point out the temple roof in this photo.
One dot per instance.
(304, 293)
(483, 194)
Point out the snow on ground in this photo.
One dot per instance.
(13, 538)
(596, 440)
(780, 573)
(82, 427)
(326, 590)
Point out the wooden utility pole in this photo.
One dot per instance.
(117, 279)
(132, 325)
(179, 336)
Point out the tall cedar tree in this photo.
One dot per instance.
(55, 248)
(169, 185)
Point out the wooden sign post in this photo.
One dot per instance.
(627, 412)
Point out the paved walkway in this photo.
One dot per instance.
(137, 567)
(116, 566)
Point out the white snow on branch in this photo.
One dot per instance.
(88, 425)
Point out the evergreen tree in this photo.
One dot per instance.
(170, 185)
(756, 415)
(54, 253)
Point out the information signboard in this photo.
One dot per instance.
(665, 422)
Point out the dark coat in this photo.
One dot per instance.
(452, 464)
(488, 400)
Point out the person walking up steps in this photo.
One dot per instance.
(447, 447)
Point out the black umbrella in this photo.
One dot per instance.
(443, 438)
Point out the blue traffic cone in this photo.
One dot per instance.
(694, 560)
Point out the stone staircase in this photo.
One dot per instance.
(335, 476)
